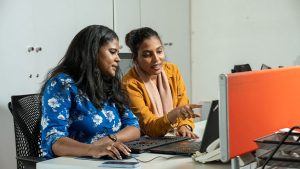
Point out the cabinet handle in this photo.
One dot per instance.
(30, 75)
(168, 44)
(38, 49)
(30, 49)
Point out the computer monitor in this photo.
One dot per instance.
(211, 132)
(126, 62)
(254, 104)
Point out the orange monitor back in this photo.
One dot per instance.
(254, 104)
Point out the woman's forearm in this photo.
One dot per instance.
(68, 147)
(128, 134)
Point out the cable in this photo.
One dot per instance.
(278, 146)
(146, 161)
(298, 139)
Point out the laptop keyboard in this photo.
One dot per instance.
(188, 147)
(145, 143)
(181, 148)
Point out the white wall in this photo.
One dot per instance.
(229, 32)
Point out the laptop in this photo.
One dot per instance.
(189, 147)
(145, 143)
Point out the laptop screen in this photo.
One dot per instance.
(211, 131)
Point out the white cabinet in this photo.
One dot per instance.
(48, 28)
(16, 32)
(171, 19)
(126, 18)
(54, 27)
(50, 25)
(56, 22)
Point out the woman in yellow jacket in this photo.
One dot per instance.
(156, 89)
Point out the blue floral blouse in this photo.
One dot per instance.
(67, 112)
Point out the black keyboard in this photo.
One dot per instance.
(186, 148)
(145, 143)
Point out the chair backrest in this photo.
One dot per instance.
(26, 113)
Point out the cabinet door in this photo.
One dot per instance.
(16, 34)
(170, 18)
(15, 67)
(127, 17)
(56, 22)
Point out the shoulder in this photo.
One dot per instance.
(60, 81)
(131, 78)
(63, 78)
(170, 68)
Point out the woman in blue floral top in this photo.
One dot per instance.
(84, 109)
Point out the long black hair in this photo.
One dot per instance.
(81, 63)
(136, 37)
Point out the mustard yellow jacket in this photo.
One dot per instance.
(141, 105)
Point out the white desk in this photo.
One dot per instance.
(177, 162)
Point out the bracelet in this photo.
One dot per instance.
(113, 137)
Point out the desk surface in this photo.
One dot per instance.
(176, 162)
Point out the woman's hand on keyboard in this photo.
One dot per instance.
(185, 131)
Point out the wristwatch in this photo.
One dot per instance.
(113, 137)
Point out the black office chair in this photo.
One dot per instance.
(26, 113)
